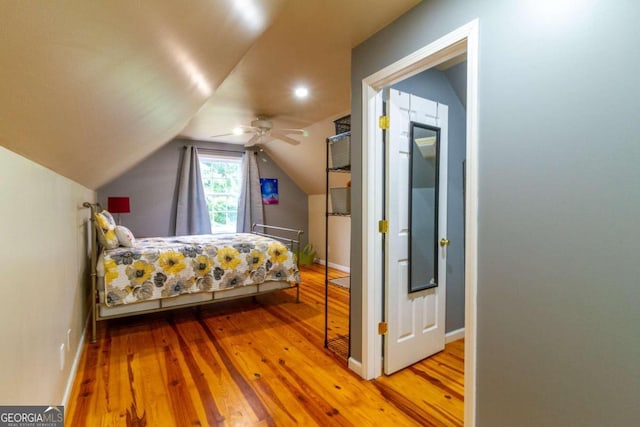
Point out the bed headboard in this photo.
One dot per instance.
(94, 207)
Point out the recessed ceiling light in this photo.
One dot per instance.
(301, 92)
(249, 10)
(238, 131)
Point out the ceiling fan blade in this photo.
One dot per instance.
(290, 132)
(253, 141)
(286, 139)
(244, 130)
(247, 129)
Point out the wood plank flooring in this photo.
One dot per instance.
(338, 312)
(253, 363)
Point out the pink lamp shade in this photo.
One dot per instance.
(118, 205)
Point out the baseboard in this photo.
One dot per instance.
(355, 366)
(452, 336)
(336, 266)
(458, 334)
(76, 363)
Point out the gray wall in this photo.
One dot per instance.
(151, 185)
(457, 76)
(293, 209)
(434, 85)
(558, 276)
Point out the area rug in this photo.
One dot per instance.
(341, 281)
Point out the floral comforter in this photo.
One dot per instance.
(169, 266)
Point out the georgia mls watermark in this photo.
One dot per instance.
(32, 416)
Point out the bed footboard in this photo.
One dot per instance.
(291, 237)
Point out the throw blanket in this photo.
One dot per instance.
(162, 267)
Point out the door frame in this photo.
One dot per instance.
(463, 39)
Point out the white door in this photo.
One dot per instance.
(415, 319)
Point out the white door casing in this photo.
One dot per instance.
(460, 40)
(416, 321)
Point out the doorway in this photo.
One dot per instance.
(463, 40)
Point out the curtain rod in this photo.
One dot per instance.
(217, 149)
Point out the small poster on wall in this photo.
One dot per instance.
(269, 190)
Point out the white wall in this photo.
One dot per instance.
(339, 233)
(314, 183)
(43, 262)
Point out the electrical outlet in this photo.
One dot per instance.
(69, 339)
(62, 356)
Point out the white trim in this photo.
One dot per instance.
(471, 228)
(462, 39)
(371, 240)
(74, 366)
(355, 366)
(455, 335)
(342, 268)
(226, 155)
(441, 50)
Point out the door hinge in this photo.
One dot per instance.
(382, 328)
(383, 122)
(383, 226)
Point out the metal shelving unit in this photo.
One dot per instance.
(340, 343)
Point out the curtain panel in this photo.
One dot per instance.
(250, 210)
(192, 213)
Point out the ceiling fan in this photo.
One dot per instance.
(263, 131)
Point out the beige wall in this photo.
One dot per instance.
(339, 232)
(43, 262)
(339, 227)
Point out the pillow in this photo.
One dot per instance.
(125, 236)
(106, 227)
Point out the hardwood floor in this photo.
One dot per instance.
(249, 362)
(338, 312)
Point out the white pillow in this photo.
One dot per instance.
(125, 236)
(106, 226)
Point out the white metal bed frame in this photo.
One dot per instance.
(173, 303)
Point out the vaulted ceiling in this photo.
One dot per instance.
(90, 88)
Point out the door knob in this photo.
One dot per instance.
(444, 242)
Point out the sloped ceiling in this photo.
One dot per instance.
(90, 88)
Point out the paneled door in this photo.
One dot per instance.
(415, 244)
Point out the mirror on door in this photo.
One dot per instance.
(423, 207)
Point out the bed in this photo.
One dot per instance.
(135, 276)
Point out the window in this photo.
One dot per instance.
(221, 177)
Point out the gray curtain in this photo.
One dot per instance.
(192, 213)
(250, 205)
